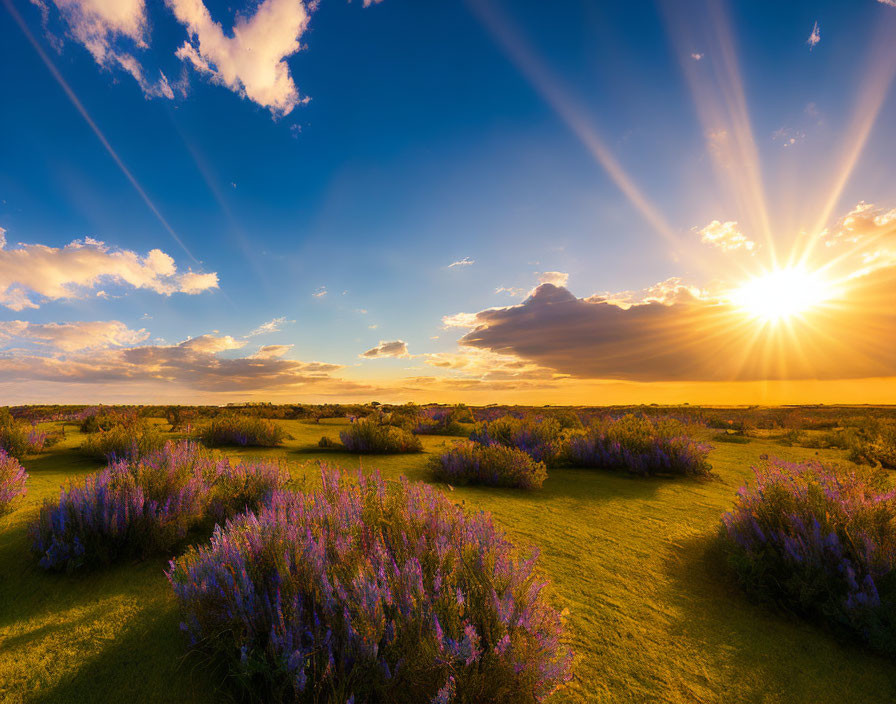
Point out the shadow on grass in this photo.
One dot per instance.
(765, 653)
(61, 460)
(146, 662)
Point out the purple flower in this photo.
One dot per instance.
(345, 576)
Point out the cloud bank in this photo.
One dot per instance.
(192, 364)
(31, 273)
(71, 337)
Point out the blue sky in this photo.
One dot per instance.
(435, 132)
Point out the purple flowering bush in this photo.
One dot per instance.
(367, 436)
(240, 430)
(12, 481)
(147, 506)
(640, 445)
(820, 540)
(470, 462)
(372, 592)
(540, 438)
(125, 441)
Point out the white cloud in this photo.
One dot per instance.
(815, 37)
(558, 278)
(787, 136)
(274, 325)
(891, 3)
(320, 292)
(871, 233)
(32, 271)
(466, 261)
(470, 362)
(272, 351)
(251, 60)
(726, 236)
(394, 348)
(696, 57)
(112, 30)
(211, 344)
(460, 320)
(511, 291)
(669, 292)
(194, 283)
(74, 336)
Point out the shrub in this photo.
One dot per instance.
(374, 592)
(240, 430)
(366, 436)
(639, 445)
(841, 439)
(129, 441)
(568, 420)
(438, 420)
(18, 439)
(462, 414)
(147, 506)
(470, 462)
(876, 445)
(541, 439)
(820, 540)
(100, 419)
(12, 481)
(327, 443)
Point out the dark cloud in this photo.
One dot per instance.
(693, 339)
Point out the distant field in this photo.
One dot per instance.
(651, 618)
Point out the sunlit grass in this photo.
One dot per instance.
(651, 618)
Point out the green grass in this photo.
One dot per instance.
(651, 617)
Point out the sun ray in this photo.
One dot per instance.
(93, 126)
(573, 115)
(722, 109)
(874, 88)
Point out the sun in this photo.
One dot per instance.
(781, 294)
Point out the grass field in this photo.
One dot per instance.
(651, 616)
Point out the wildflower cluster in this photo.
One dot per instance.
(470, 462)
(240, 430)
(368, 592)
(640, 445)
(821, 540)
(367, 436)
(12, 481)
(147, 506)
(125, 441)
(540, 438)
